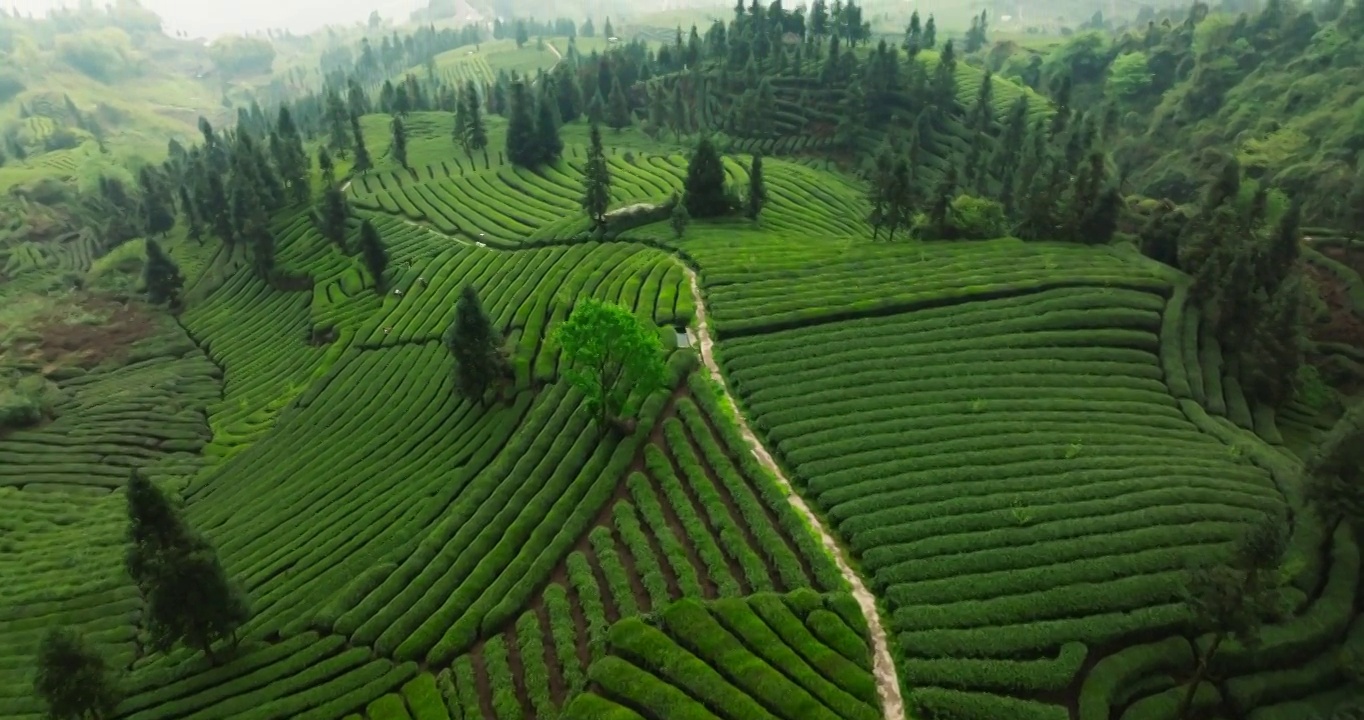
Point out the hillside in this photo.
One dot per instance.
(923, 409)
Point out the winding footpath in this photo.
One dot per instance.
(887, 683)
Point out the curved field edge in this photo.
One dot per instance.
(1177, 349)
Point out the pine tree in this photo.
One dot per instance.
(618, 107)
(333, 213)
(757, 188)
(548, 145)
(191, 600)
(461, 131)
(376, 258)
(337, 122)
(291, 158)
(328, 168)
(704, 188)
(188, 595)
(158, 210)
(399, 147)
(522, 145)
(680, 218)
(480, 362)
(72, 679)
(679, 112)
(190, 210)
(900, 195)
(161, 276)
(596, 180)
(478, 128)
(570, 93)
(596, 109)
(154, 525)
(362, 159)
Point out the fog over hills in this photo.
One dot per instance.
(244, 16)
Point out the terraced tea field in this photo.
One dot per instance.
(1011, 451)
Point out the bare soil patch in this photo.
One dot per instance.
(85, 331)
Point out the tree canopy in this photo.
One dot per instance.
(609, 353)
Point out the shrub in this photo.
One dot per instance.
(24, 401)
(973, 218)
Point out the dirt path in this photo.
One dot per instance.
(888, 685)
(557, 56)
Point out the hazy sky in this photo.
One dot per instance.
(210, 18)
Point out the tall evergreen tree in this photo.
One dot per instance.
(191, 213)
(338, 124)
(679, 112)
(618, 107)
(757, 188)
(161, 276)
(332, 216)
(570, 92)
(480, 362)
(291, 158)
(362, 159)
(157, 206)
(376, 258)
(189, 597)
(704, 188)
(548, 145)
(522, 145)
(478, 128)
(192, 601)
(398, 149)
(72, 679)
(460, 134)
(596, 180)
(596, 108)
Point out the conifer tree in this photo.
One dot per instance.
(191, 600)
(569, 91)
(680, 218)
(461, 131)
(478, 128)
(757, 188)
(522, 145)
(399, 147)
(191, 213)
(189, 597)
(596, 108)
(362, 159)
(596, 180)
(618, 107)
(328, 168)
(900, 195)
(291, 158)
(161, 276)
(158, 210)
(334, 212)
(548, 145)
(72, 678)
(704, 188)
(679, 112)
(337, 123)
(480, 362)
(376, 258)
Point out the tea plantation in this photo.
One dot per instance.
(1017, 447)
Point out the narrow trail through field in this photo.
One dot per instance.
(887, 683)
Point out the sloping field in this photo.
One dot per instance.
(1020, 482)
(766, 656)
(505, 205)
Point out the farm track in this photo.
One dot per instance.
(883, 666)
